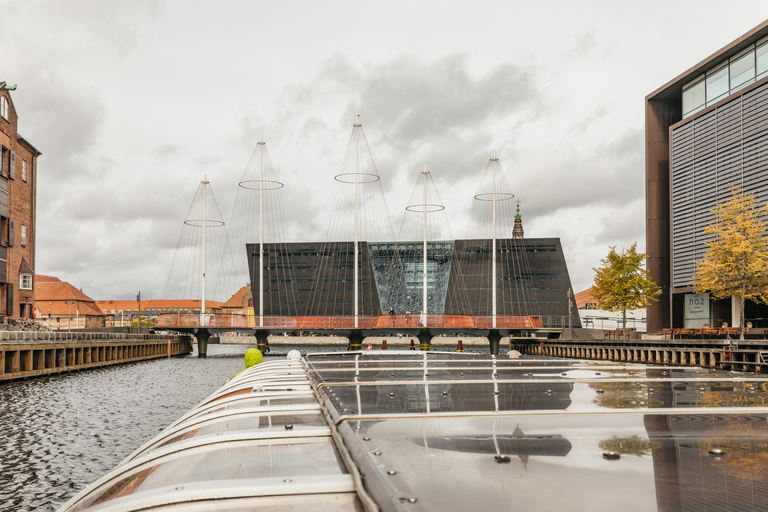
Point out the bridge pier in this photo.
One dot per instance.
(261, 340)
(425, 338)
(494, 337)
(356, 339)
(202, 336)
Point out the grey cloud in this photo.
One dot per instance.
(612, 174)
(583, 45)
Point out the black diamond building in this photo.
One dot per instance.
(317, 278)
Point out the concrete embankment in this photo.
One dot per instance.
(34, 354)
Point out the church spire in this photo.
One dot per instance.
(517, 230)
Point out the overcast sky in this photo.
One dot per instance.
(131, 103)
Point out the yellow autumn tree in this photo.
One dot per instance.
(735, 263)
(622, 282)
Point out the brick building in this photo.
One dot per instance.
(241, 303)
(18, 197)
(123, 313)
(62, 306)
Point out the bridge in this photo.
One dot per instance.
(423, 327)
(494, 283)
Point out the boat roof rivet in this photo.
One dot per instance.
(366, 439)
(391, 472)
(611, 456)
(599, 391)
(289, 427)
(444, 393)
(287, 480)
(391, 395)
(377, 452)
(717, 453)
(179, 488)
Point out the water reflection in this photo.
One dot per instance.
(710, 461)
(62, 432)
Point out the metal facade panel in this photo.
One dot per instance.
(726, 147)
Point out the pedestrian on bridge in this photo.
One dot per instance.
(253, 356)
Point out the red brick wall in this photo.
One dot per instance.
(21, 208)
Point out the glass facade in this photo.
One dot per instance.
(399, 272)
(738, 72)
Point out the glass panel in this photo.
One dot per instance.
(693, 98)
(342, 502)
(717, 85)
(251, 423)
(258, 402)
(226, 463)
(743, 70)
(761, 55)
(692, 461)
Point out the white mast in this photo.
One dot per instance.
(261, 232)
(205, 226)
(493, 248)
(357, 187)
(424, 298)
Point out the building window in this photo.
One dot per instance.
(761, 60)
(717, 84)
(24, 170)
(742, 70)
(25, 283)
(694, 97)
(23, 235)
(4, 107)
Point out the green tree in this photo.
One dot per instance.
(735, 263)
(621, 283)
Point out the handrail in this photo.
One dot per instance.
(416, 321)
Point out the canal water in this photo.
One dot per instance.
(59, 433)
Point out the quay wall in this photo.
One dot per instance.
(749, 355)
(34, 354)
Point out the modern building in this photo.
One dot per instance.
(18, 201)
(62, 306)
(317, 279)
(705, 131)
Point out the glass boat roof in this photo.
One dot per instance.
(389, 430)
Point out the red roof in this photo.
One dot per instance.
(39, 278)
(236, 301)
(52, 296)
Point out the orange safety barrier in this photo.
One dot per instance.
(348, 322)
(508, 322)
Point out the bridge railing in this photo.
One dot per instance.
(348, 322)
(508, 322)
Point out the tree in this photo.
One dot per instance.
(735, 263)
(621, 283)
